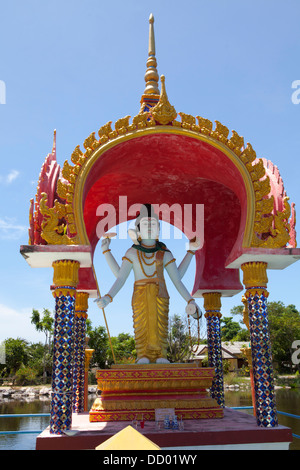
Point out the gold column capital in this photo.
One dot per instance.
(255, 274)
(65, 276)
(81, 305)
(212, 304)
(255, 278)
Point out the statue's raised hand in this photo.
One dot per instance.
(195, 244)
(105, 244)
(194, 310)
(102, 302)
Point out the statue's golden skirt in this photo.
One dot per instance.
(150, 305)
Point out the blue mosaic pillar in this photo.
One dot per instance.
(79, 351)
(65, 280)
(255, 280)
(212, 306)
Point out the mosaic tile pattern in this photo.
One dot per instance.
(266, 412)
(215, 357)
(61, 403)
(78, 364)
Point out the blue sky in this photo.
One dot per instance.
(74, 65)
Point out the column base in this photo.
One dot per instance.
(61, 413)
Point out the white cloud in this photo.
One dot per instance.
(8, 179)
(17, 324)
(12, 176)
(9, 229)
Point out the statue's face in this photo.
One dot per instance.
(149, 228)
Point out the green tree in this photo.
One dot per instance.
(179, 344)
(16, 355)
(44, 323)
(38, 360)
(229, 329)
(124, 348)
(284, 326)
(26, 375)
(98, 340)
(284, 323)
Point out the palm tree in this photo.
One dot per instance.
(44, 324)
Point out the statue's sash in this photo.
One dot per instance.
(159, 261)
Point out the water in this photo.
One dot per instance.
(22, 441)
(287, 400)
(25, 441)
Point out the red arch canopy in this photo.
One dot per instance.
(175, 169)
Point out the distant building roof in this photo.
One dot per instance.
(230, 349)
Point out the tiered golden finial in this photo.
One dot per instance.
(151, 75)
(151, 93)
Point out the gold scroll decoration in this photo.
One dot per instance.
(54, 224)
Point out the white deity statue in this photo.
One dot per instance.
(148, 257)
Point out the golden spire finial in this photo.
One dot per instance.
(151, 75)
(163, 112)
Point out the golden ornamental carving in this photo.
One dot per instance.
(221, 132)
(255, 274)
(91, 142)
(141, 121)
(163, 112)
(257, 171)
(77, 156)
(247, 352)
(246, 313)
(122, 125)
(187, 122)
(236, 143)
(104, 132)
(53, 226)
(248, 155)
(277, 225)
(205, 125)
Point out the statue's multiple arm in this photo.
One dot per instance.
(123, 274)
(175, 277)
(112, 263)
(115, 268)
(182, 268)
